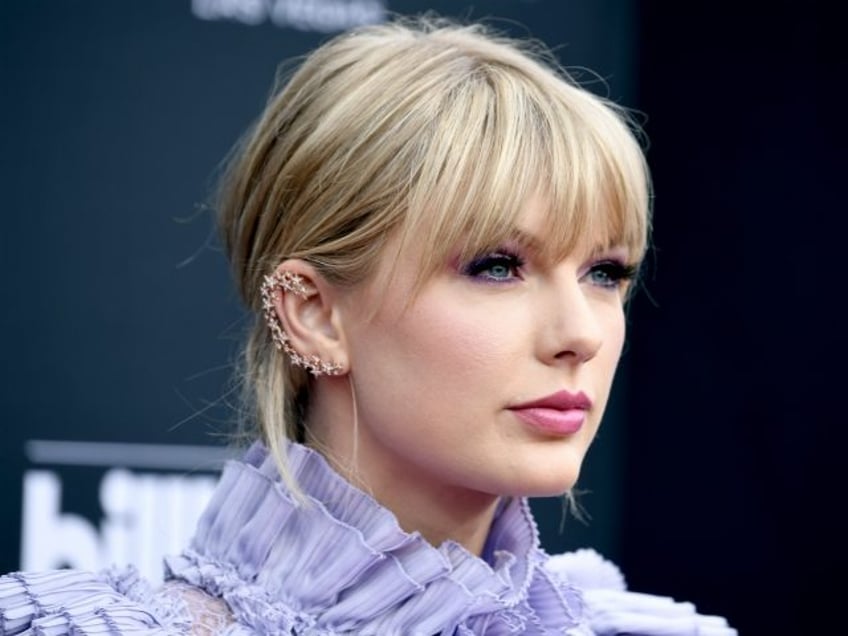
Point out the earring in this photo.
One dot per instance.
(290, 282)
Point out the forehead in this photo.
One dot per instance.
(552, 228)
(535, 224)
(535, 227)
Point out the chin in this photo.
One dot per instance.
(548, 471)
(547, 488)
(543, 483)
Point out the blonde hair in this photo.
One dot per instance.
(425, 128)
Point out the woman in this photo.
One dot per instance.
(438, 232)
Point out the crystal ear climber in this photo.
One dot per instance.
(290, 282)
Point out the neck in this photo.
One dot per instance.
(438, 511)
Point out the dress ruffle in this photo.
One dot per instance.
(340, 563)
(79, 603)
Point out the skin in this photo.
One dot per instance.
(433, 437)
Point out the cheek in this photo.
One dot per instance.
(441, 353)
(615, 333)
(609, 355)
(454, 340)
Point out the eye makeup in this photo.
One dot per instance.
(611, 273)
(499, 265)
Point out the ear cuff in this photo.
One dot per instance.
(272, 286)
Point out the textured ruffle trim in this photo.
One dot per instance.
(83, 603)
(340, 563)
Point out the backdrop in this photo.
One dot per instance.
(121, 322)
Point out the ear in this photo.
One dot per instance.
(309, 314)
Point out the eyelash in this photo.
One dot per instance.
(478, 266)
(616, 273)
(613, 273)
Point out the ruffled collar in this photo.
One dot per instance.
(342, 564)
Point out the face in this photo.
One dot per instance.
(494, 376)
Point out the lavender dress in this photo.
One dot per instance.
(261, 563)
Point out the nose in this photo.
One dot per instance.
(574, 330)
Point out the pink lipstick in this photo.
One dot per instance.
(561, 413)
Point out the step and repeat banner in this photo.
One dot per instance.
(119, 317)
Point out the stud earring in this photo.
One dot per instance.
(290, 282)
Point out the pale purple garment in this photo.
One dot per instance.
(337, 564)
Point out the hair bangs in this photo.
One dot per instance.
(503, 138)
(595, 182)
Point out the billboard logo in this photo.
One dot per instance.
(148, 498)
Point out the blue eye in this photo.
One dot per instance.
(611, 274)
(498, 266)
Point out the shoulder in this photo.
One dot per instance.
(612, 609)
(586, 569)
(114, 602)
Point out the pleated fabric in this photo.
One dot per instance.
(336, 563)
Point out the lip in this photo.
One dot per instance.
(561, 413)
